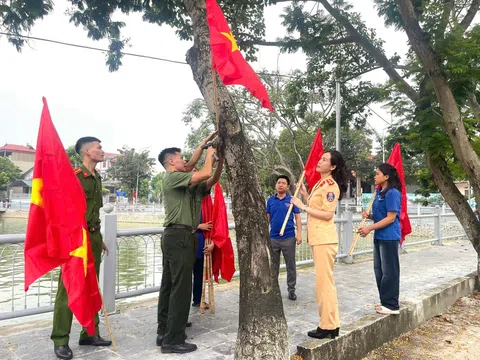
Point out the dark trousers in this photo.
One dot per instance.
(197, 280)
(178, 247)
(287, 247)
(387, 272)
(62, 315)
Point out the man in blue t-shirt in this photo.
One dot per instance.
(277, 208)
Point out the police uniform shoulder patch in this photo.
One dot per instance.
(330, 196)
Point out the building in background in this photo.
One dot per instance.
(21, 156)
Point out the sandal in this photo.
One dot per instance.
(386, 311)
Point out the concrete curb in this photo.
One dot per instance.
(359, 338)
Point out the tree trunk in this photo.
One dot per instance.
(456, 200)
(262, 332)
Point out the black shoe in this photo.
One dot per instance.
(196, 304)
(292, 296)
(161, 336)
(160, 339)
(322, 334)
(95, 340)
(63, 352)
(189, 324)
(178, 349)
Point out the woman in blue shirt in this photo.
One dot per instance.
(386, 217)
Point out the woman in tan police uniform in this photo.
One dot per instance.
(323, 239)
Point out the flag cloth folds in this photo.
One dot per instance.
(56, 230)
(395, 159)
(228, 60)
(80, 280)
(223, 261)
(316, 152)
(207, 209)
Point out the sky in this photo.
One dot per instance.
(140, 105)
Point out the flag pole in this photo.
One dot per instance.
(362, 223)
(202, 301)
(211, 293)
(299, 184)
(106, 319)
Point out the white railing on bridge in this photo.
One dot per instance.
(134, 266)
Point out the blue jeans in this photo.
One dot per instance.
(387, 272)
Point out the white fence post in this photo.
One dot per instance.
(108, 267)
(436, 225)
(347, 236)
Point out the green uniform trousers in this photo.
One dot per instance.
(178, 248)
(62, 315)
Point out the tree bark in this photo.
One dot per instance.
(472, 11)
(456, 200)
(262, 332)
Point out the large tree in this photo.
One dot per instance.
(132, 169)
(8, 172)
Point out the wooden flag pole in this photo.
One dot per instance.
(362, 224)
(106, 319)
(211, 294)
(202, 301)
(299, 184)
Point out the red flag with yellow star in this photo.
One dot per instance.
(56, 230)
(228, 60)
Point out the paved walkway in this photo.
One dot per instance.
(215, 334)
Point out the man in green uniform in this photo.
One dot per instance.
(183, 192)
(91, 152)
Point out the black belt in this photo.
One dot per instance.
(180, 226)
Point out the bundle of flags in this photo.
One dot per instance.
(57, 230)
(223, 261)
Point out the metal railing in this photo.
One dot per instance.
(134, 265)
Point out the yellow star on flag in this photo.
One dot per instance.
(81, 252)
(230, 37)
(37, 185)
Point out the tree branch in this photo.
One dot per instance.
(368, 46)
(296, 42)
(292, 133)
(448, 8)
(472, 11)
(472, 99)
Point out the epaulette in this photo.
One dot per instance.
(322, 183)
